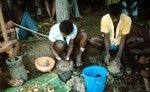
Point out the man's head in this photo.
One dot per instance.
(115, 11)
(66, 27)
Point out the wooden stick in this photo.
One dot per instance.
(30, 30)
(5, 35)
(3, 26)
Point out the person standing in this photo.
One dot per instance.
(22, 17)
(51, 9)
(74, 9)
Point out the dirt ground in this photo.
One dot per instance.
(90, 24)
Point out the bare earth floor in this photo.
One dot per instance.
(90, 24)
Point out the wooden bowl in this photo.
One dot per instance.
(44, 64)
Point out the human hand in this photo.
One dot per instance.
(107, 58)
(10, 24)
(67, 59)
(118, 61)
(7, 46)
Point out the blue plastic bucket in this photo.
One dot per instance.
(95, 78)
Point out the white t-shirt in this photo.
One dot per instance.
(55, 34)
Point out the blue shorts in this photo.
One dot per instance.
(27, 22)
(113, 47)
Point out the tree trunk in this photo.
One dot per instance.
(62, 10)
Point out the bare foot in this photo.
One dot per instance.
(15, 82)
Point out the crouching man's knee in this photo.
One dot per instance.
(60, 46)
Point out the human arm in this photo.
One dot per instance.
(53, 34)
(5, 47)
(10, 27)
(12, 34)
(105, 30)
(121, 46)
(72, 37)
(2, 49)
(10, 24)
(54, 51)
(107, 45)
(120, 50)
(70, 49)
(125, 31)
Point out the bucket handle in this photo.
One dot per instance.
(97, 82)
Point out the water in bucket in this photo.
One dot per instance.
(95, 78)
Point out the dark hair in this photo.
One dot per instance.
(115, 9)
(66, 27)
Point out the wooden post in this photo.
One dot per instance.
(3, 26)
(4, 32)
